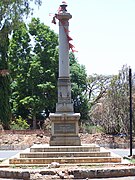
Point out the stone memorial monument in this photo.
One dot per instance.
(65, 145)
(64, 128)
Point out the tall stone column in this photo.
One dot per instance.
(63, 43)
(64, 122)
(64, 85)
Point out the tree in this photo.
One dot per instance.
(4, 79)
(34, 70)
(118, 102)
(78, 85)
(112, 111)
(97, 86)
(14, 11)
(11, 14)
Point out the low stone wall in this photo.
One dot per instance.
(103, 173)
(117, 146)
(14, 147)
(37, 131)
(14, 174)
(62, 174)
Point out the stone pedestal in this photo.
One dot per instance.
(65, 129)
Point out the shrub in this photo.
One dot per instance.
(19, 124)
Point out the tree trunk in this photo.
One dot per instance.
(34, 121)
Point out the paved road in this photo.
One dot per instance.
(122, 152)
(7, 154)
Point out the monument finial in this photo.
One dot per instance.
(63, 6)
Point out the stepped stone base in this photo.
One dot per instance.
(45, 154)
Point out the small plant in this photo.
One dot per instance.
(19, 124)
(35, 167)
(13, 166)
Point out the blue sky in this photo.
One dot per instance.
(103, 32)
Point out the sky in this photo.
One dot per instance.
(103, 32)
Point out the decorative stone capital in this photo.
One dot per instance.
(64, 16)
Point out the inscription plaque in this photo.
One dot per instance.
(61, 128)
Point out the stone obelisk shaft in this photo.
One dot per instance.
(64, 85)
(63, 48)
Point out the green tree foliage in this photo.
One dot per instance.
(34, 69)
(14, 11)
(5, 113)
(11, 14)
(78, 82)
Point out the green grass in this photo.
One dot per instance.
(132, 161)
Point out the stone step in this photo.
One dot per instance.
(64, 154)
(65, 160)
(83, 148)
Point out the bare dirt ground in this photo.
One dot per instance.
(43, 138)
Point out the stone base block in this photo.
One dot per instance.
(64, 107)
(45, 148)
(65, 141)
(64, 129)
